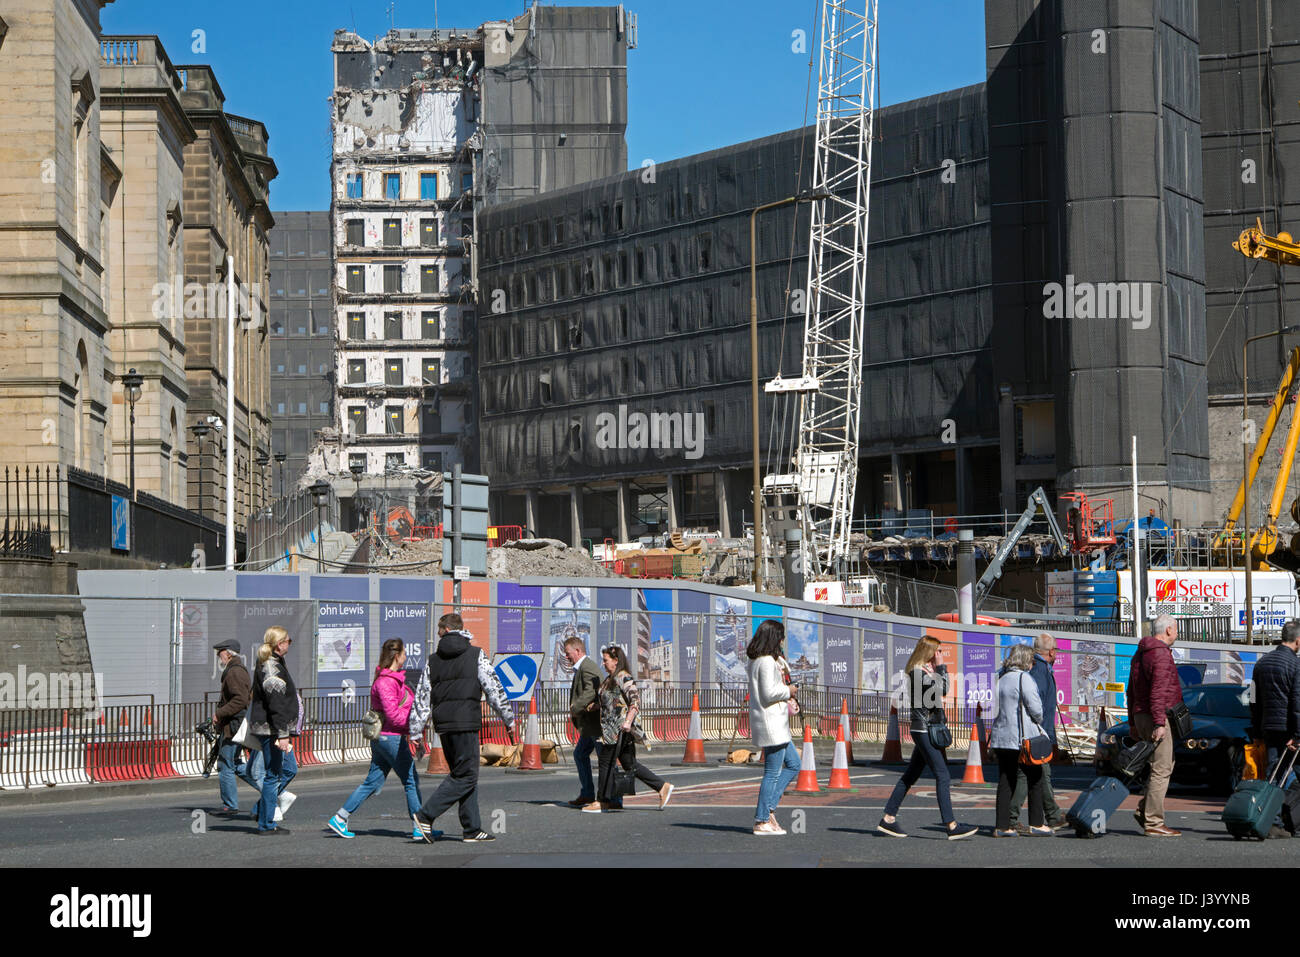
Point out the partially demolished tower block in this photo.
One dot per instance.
(427, 126)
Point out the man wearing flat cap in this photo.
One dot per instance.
(236, 693)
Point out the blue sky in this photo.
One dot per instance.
(705, 73)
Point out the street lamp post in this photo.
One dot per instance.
(1246, 476)
(200, 430)
(131, 384)
(320, 491)
(279, 460)
(357, 471)
(262, 460)
(805, 197)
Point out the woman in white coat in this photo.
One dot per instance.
(770, 694)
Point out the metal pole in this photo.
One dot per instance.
(132, 450)
(966, 576)
(1245, 489)
(1137, 551)
(230, 413)
(456, 540)
(753, 398)
(320, 545)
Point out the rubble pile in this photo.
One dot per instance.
(542, 556)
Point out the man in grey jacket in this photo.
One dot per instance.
(585, 712)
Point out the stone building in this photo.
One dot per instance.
(145, 126)
(225, 213)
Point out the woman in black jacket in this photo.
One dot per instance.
(927, 681)
(273, 716)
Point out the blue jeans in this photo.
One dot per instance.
(582, 758)
(281, 768)
(388, 752)
(780, 765)
(228, 769)
(924, 755)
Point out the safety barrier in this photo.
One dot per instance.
(497, 534)
(133, 742)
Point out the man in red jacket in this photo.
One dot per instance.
(1154, 689)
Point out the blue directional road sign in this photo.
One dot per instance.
(121, 523)
(518, 673)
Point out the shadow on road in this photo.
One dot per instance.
(714, 827)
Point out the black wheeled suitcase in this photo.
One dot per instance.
(1255, 805)
(1094, 806)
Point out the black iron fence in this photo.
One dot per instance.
(31, 506)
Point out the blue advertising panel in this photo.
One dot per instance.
(659, 606)
(693, 608)
(342, 635)
(404, 614)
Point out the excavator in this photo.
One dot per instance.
(1265, 548)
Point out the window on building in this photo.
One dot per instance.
(393, 371)
(279, 408)
(559, 230)
(429, 279)
(393, 325)
(354, 186)
(393, 277)
(429, 325)
(357, 460)
(356, 278)
(467, 227)
(356, 371)
(302, 368)
(431, 461)
(544, 385)
(394, 461)
(392, 185)
(357, 419)
(356, 325)
(430, 419)
(279, 367)
(428, 186)
(428, 231)
(356, 232)
(704, 249)
(302, 408)
(393, 420)
(324, 408)
(432, 371)
(467, 182)
(392, 232)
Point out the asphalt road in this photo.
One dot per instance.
(707, 824)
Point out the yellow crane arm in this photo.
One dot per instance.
(1254, 243)
(1261, 444)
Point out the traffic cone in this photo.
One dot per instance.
(974, 764)
(893, 742)
(846, 730)
(840, 764)
(437, 758)
(1102, 722)
(532, 759)
(807, 783)
(695, 737)
(983, 734)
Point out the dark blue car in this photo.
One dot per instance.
(1215, 753)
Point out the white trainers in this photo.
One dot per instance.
(767, 828)
(665, 795)
(283, 804)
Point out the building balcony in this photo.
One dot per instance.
(446, 297)
(374, 204)
(371, 439)
(453, 250)
(457, 386)
(404, 345)
(250, 134)
(138, 63)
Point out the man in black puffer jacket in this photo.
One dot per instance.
(1275, 712)
(455, 678)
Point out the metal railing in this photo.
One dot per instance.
(288, 523)
(31, 508)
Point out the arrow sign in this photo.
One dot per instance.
(518, 673)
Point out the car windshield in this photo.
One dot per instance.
(1218, 702)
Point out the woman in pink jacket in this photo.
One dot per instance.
(392, 699)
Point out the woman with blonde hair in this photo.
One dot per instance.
(274, 715)
(1020, 716)
(927, 683)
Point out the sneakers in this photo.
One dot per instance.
(1009, 832)
(283, 804)
(423, 827)
(665, 795)
(1161, 831)
(767, 829)
(962, 831)
(1043, 831)
(893, 830)
(581, 802)
(598, 807)
(339, 827)
(1276, 831)
(481, 837)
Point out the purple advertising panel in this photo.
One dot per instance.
(692, 632)
(1062, 672)
(979, 663)
(837, 650)
(904, 642)
(519, 622)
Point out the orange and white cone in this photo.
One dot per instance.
(974, 765)
(846, 730)
(893, 741)
(840, 765)
(695, 737)
(807, 783)
(437, 758)
(532, 759)
(983, 735)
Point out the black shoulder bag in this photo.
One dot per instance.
(621, 782)
(1178, 719)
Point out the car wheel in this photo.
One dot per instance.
(1234, 768)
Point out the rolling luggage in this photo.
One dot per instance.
(1094, 806)
(1255, 805)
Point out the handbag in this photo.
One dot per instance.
(244, 736)
(940, 734)
(372, 722)
(1179, 720)
(1035, 750)
(621, 782)
(1130, 761)
(791, 705)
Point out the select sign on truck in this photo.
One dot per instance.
(518, 673)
